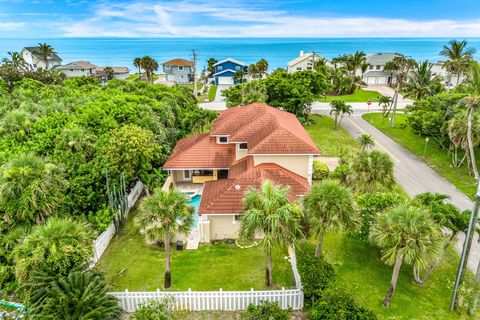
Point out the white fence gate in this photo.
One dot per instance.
(101, 243)
(212, 300)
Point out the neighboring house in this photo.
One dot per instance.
(34, 62)
(118, 73)
(439, 70)
(78, 69)
(246, 146)
(225, 70)
(305, 61)
(178, 70)
(375, 73)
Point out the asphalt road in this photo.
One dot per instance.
(414, 175)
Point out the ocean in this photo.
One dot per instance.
(277, 51)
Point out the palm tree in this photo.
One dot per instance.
(109, 73)
(405, 233)
(137, 63)
(30, 189)
(421, 82)
(239, 76)
(44, 52)
(268, 211)
(161, 216)
(16, 61)
(329, 205)
(262, 66)
(339, 108)
(253, 70)
(458, 135)
(447, 216)
(149, 65)
(458, 57)
(80, 295)
(56, 247)
(356, 61)
(211, 68)
(400, 66)
(365, 141)
(372, 172)
(385, 102)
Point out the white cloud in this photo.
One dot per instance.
(190, 18)
(7, 26)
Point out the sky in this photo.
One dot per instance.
(235, 18)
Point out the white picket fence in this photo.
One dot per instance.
(212, 300)
(101, 243)
(293, 263)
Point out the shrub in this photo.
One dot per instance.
(316, 274)
(320, 170)
(341, 173)
(154, 310)
(338, 305)
(266, 310)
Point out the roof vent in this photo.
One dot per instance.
(237, 187)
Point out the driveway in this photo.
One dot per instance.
(388, 91)
(218, 95)
(414, 175)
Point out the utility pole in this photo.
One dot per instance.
(194, 55)
(467, 244)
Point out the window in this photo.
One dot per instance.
(238, 68)
(309, 68)
(242, 146)
(219, 68)
(82, 70)
(186, 175)
(378, 67)
(203, 173)
(167, 67)
(180, 68)
(71, 70)
(236, 218)
(370, 67)
(299, 68)
(222, 140)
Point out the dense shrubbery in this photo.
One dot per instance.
(323, 298)
(154, 310)
(266, 310)
(320, 170)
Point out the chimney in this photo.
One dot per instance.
(301, 53)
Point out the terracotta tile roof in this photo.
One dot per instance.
(225, 196)
(266, 130)
(178, 62)
(201, 152)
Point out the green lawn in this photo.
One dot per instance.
(329, 141)
(212, 91)
(434, 156)
(191, 86)
(359, 96)
(131, 264)
(362, 273)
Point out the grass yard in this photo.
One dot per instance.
(131, 264)
(329, 141)
(212, 91)
(358, 96)
(362, 273)
(437, 158)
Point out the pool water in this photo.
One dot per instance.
(195, 203)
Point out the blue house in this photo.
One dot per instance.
(225, 69)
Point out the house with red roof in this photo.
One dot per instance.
(246, 146)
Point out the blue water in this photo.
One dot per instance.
(195, 203)
(278, 51)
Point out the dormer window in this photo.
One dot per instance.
(222, 140)
(242, 146)
(219, 68)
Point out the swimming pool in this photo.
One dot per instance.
(195, 203)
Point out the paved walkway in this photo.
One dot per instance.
(387, 91)
(218, 95)
(414, 175)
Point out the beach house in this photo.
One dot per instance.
(35, 62)
(226, 69)
(178, 70)
(246, 146)
(305, 61)
(77, 69)
(376, 75)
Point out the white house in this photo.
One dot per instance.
(375, 73)
(438, 69)
(34, 62)
(78, 69)
(305, 61)
(118, 72)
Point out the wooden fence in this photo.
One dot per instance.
(212, 300)
(101, 243)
